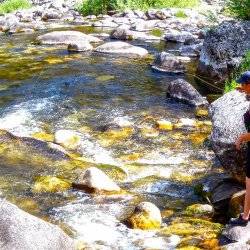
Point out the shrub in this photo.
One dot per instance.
(231, 83)
(239, 8)
(181, 14)
(11, 5)
(89, 7)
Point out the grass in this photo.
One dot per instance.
(9, 6)
(180, 14)
(231, 83)
(95, 7)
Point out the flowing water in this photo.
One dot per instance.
(113, 102)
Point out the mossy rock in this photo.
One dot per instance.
(50, 184)
(43, 136)
(193, 227)
(105, 78)
(198, 139)
(182, 177)
(199, 210)
(146, 217)
(201, 112)
(164, 125)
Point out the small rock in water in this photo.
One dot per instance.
(185, 92)
(146, 216)
(169, 63)
(121, 48)
(185, 123)
(94, 180)
(80, 47)
(199, 210)
(164, 125)
(67, 138)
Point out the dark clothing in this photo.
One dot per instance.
(247, 125)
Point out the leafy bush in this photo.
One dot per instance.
(231, 83)
(8, 6)
(89, 7)
(239, 8)
(181, 14)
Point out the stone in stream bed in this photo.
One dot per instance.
(66, 37)
(180, 36)
(146, 216)
(121, 48)
(20, 230)
(50, 184)
(67, 138)
(94, 180)
(199, 210)
(169, 63)
(183, 91)
(80, 46)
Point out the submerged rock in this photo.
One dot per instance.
(199, 210)
(169, 63)
(20, 230)
(185, 92)
(66, 37)
(223, 48)
(94, 180)
(121, 48)
(228, 123)
(146, 216)
(50, 184)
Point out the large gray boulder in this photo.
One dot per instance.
(22, 231)
(66, 37)
(223, 49)
(227, 118)
(185, 92)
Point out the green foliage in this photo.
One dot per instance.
(231, 84)
(95, 7)
(11, 5)
(180, 14)
(156, 32)
(239, 8)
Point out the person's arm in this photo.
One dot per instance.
(242, 139)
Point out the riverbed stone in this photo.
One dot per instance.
(121, 48)
(94, 180)
(179, 36)
(146, 216)
(223, 49)
(185, 92)
(66, 37)
(20, 230)
(168, 63)
(142, 25)
(191, 50)
(80, 46)
(199, 210)
(105, 23)
(228, 124)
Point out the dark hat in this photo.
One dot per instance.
(244, 78)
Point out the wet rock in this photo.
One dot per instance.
(180, 36)
(222, 194)
(94, 180)
(121, 48)
(67, 138)
(80, 46)
(223, 49)
(185, 92)
(165, 125)
(199, 210)
(66, 37)
(227, 118)
(20, 230)
(146, 216)
(50, 184)
(201, 112)
(169, 63)
(236, 246)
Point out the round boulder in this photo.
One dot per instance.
(80, 46)
(121, 48)
(185, 92)
(94, 180)
(180, 36)
(146, 216)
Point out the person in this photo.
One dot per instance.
(243, 219)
